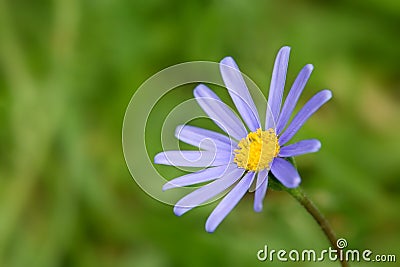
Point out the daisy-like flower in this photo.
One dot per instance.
(248, 153)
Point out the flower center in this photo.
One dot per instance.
(257, 150)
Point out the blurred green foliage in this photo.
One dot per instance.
(68, 69)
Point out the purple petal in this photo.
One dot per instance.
(208, 191)
(300, 148)
(193, 158)
(277, 86)
(261, 190)
(197, 177)
(196, 136)
(229, 202)
(219, 112)
(239, 92)
(309, 108)
(285, 172)
(293, 97)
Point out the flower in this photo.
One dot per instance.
(244, 155)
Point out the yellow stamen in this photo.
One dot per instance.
(257, 150)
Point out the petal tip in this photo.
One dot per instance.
(210, 228)
(317, 145)
(167, 186)
(285, 49)
(178, 211)
(198, 87)
(199, 90)
(328, 94)
(228, 61)
(309, 67)
(158, 159)
(178, 130)
(258, 208)
(295, 183)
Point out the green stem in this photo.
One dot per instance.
(302, 198)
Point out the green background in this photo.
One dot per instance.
(68, 69)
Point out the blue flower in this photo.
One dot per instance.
(244, 155)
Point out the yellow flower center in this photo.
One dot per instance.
(257, 150)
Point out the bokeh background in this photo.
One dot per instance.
(68, 69)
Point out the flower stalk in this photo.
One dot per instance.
(311, 208)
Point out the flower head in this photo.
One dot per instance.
(246, 154)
